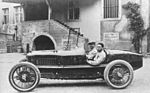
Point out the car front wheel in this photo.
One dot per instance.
(118, 74)
(24, 77)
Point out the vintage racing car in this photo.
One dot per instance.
(116, 70)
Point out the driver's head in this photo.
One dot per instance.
(99, 47)
(91, 45)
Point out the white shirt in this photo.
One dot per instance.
(96, 57)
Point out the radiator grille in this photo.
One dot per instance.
(57, 60)
(47, 61)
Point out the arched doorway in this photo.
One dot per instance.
(43, 42)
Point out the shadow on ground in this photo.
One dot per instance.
(80, 84)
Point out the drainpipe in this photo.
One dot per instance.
(49, 9)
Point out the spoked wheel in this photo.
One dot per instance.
(118, 74)
(24, 77)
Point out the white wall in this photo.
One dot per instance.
(90, 16)
(145, 11)
(11, 11)
(126, 1)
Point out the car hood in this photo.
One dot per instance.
(74, 52)
(78, 51)
(113, 52)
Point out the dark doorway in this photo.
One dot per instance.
(27, 48)
(148, 42)
(43, 43)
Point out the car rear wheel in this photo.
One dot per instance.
(118, 74)
(24, 77)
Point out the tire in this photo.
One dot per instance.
(118, 74)
(27, 74)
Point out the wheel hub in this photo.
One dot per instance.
(24, 76)
(118, 73)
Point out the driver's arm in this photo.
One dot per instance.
(100, 57)
(91, 54)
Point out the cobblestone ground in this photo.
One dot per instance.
(140, 84)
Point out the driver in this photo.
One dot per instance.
(97, 55)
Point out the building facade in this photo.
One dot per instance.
(8, 19)
(99, 20)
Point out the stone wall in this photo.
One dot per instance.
(29, 30)
(3, 47)
(115, 34)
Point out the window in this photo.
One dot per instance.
(6, 15)
(19, 15)
(111, 9)
(73, 10)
